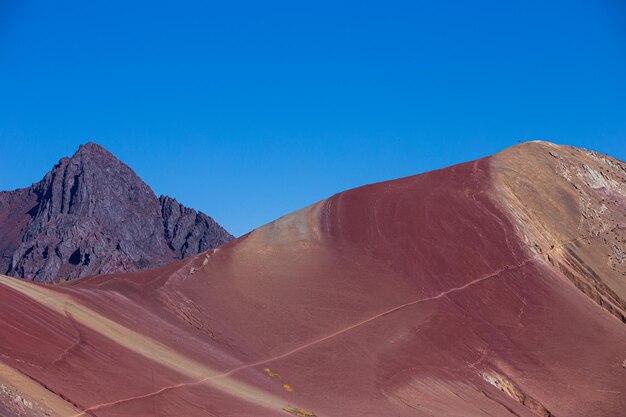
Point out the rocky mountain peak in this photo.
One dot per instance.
(92, 214)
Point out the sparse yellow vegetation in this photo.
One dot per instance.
(271, 374)
(299, 412)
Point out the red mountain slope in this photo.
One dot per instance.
(440, 294)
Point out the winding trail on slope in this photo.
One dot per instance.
(325, 338)
(296, 350)
(214, 376)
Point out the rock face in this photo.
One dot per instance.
(93, 215)
(188, 231)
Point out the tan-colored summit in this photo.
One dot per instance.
(564, 194)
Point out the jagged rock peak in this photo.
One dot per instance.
(92, 214)
(93, 148)
(188, 231)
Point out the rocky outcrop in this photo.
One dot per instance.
(188, 231)
(14, 218)
(514, 391)
(560, 193)
(93, 215)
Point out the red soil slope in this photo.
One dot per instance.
(416, 297)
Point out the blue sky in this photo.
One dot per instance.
(250, 110)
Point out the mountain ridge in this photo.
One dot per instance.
(489, 288)
(91, 214)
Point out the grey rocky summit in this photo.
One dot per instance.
(93, 215)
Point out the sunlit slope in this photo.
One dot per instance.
(560, 193)
(96, 342)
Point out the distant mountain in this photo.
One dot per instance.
(93, 215)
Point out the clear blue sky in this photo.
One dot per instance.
(249, 110)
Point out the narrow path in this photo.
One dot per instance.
(309, 344)
(324, 338)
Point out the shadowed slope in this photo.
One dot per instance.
(413, 297)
